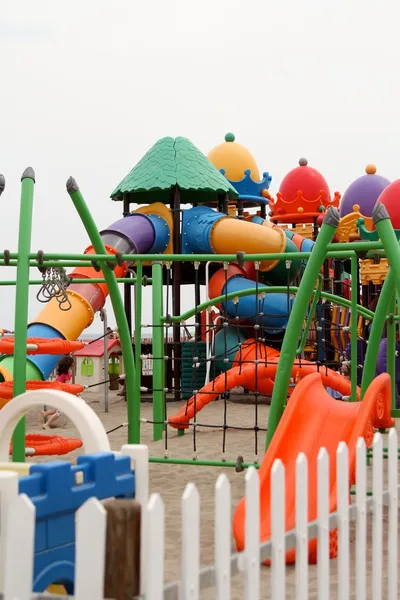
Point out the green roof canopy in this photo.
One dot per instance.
(170, 163)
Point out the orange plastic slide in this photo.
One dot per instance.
(254, 377)
(312, 420)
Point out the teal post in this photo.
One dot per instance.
(118, 307)
(295, 323)
(21, 304)
(158, 351)
(353, 358)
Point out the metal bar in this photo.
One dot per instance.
(354, 305)
(83, 260)
(335, 249)
(158, 352)
(296, 319)
(176, 294)
(130, 280)
(117, 304)
(103, 316)
(21, 304)
(138, 338)
(276, 289)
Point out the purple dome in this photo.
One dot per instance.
(364, 191)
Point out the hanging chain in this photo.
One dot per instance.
(54, 285)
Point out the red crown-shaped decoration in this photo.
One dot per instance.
(300, 210)
(303, 195)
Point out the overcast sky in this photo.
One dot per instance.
(86, 87)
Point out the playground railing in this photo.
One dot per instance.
(363, 565)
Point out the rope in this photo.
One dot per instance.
(117, 427)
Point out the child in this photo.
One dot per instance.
(64, 375)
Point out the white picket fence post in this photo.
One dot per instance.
(223, 527)
(154, 583)
(252, 536)
(377, 487)
(91, 523)
(342, 489)
(190, 557)
(361, 521)
(393, 522)
(278, 530)
(301, 527)
(323, 525)
(8, 493)
(18, 550)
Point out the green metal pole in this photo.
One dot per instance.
(353, 358)
(310, 317)
(138, 335)
(118, 307)
(298, 312)
(158, 351)
(375, 335)
(21, 304)
(385, 230)
(391, 347)
(87, 281)
(276, 289)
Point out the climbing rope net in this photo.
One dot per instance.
(229, 356)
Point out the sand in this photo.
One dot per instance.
(170, 480)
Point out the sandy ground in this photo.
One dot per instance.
(170, 480)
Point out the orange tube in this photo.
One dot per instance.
(218, 280)
(90, 272)
(229, 235)
(80, 316)
(6, 376)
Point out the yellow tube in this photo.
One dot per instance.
(5, 376)
(229, 236)
(69, 323)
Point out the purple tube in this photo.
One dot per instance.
(136, 229)
(381, 363)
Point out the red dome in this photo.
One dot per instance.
(390, 198)
(305, 179)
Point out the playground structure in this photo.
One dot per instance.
(268, 313)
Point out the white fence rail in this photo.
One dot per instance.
(17, 541)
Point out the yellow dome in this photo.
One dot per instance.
(234, 158)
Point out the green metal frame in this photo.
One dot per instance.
(23, 260)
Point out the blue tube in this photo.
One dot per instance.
(197, 224)
(162, 234)
(275, 308)
(307, 245)
(46, 363)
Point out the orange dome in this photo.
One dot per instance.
(234, 159)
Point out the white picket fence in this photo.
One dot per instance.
(17, 540)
